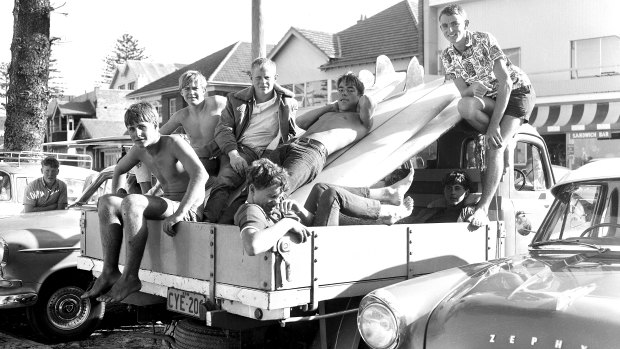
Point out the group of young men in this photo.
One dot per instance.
(247, 144)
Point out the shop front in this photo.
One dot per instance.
(578, 132)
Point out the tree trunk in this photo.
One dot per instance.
(28, 95)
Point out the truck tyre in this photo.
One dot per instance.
(193, 334)
(60, 315)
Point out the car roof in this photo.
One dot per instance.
(34, 170)
(596, 170)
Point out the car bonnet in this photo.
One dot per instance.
(529, 301)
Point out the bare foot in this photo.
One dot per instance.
(102, 284)
(395, 193)
(121, 289)
(479, 218)
(391, 214)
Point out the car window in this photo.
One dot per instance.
(21, 183)
(104, 188)
(74, 188)
(5, 186)
(576, 211)
(529, 172)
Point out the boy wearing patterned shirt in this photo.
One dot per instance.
(497, 96)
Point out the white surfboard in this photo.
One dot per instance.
(396, 121)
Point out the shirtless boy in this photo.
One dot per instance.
(198, 119)
(328, 129)
(182, 178)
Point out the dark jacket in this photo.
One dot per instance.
(236, 116)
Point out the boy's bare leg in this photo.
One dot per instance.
(476, 111)
(111, 238)
(136, 209)
(395, 193)
(495, 168)
(390, 214)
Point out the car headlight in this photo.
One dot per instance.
(378, 326)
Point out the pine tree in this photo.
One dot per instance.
(127, 48)
(55, 83)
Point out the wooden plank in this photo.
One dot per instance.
(439, 246)
(236, 267)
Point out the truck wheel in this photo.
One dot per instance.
(193, 334)
(61, 315)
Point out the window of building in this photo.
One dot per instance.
(121, 87)
(595, 57)
(172, 106)
(311, 93)
(131, 86)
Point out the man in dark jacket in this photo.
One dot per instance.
(255, 119)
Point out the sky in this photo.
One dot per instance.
(179, 31)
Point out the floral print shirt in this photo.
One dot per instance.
(475, 63)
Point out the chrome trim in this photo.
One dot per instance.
(18, 300)
(50, 250)
(4, 283)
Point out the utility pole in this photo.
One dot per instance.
(258, 41)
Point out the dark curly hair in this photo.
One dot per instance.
(457, 177)
(352, 79)
(263, 174)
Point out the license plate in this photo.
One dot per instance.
(185, 302)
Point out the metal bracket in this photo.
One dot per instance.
(212, 267)
(409, 237)
(314, 277)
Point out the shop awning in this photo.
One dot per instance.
(575, 117)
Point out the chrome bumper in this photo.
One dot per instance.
(18, 300)
(15, 300)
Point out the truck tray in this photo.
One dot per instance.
(342, 261)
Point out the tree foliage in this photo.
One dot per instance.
(126, 48)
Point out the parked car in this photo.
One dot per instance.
(38, 268)
(562, 294)
(17, 169)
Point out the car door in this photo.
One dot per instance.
(530, 181)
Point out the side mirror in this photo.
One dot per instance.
(523, 224)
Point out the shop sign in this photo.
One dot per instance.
(591, 134)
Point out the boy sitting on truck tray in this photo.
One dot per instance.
(255, 119)
(182, 177)
(198, 119)
(457, 204)
(328, 129)
(325, 203)
(266, 217)
(260, 219)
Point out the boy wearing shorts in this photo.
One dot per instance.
(497, 96)
(182, 177)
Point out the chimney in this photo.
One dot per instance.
(362, 18)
